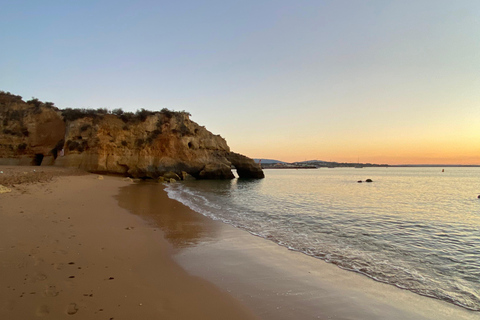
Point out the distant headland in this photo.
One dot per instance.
(316, 164)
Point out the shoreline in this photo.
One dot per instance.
(271, 280)
(134, 252)
(68, 249)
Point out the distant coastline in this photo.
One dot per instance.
(317, 164)
(436, 165)
(289, 167)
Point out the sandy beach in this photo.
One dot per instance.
(99, 247)
(68, 250)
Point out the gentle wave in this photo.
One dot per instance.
(394, 242)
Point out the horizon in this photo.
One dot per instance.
(387, 83)
(398, 164)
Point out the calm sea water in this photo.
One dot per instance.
(415, 228)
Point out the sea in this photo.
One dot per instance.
(416, 228)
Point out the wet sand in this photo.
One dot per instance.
(72, 248)
(274, 282)
(68, 250)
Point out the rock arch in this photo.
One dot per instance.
(246, 167)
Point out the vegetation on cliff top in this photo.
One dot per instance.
(71, 114)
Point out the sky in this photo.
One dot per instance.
(394, 82)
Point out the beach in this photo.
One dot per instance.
(101, 247)
(68, 250)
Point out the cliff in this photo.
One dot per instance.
(144, 145)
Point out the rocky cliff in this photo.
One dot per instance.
(144, 144)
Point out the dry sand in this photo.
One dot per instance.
(68, 250)
(20, 176)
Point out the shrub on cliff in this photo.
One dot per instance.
(70, 114)
(21, 147)
(74, 145)
(127, 117)
(167, 113)
(7, 97)
(37, 104)
(22, 132)
(118, 112)
(142, 114)
(15, 115)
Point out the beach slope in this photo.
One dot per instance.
(67, 248)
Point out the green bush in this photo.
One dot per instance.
(118, 112)
(142, 114)
(7, 97)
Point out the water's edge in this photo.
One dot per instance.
(186, 199)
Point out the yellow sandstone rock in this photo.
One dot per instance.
(4, 189)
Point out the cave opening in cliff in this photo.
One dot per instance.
(37, 160)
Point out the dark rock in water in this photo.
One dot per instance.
(246, 167)
(171, 175)
(359, 181)
(369, 180)
(186, 176)
(216, 171)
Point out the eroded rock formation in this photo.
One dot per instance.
(246, 167)
(145, 144)
(28, 131)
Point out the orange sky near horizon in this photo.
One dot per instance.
(466, 157)
(460, 147)
(393, 82)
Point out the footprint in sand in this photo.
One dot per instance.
(61, 251)
(43, 310)
(37, 277)
(37, 260)
(59, 266)
(70, 283)
(10, 305)
(51, 291)
(72, 308)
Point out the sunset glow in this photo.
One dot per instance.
(383, 82)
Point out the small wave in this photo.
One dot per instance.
(337, 241)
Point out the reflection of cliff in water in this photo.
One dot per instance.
(181, 226)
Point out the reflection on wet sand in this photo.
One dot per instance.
(181, 226)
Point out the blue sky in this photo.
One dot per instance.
(386, 81)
